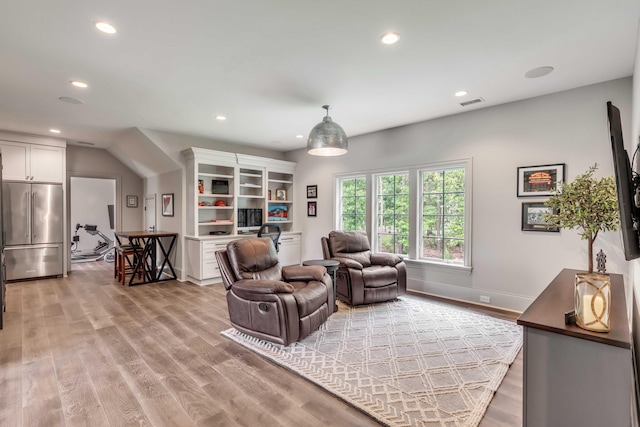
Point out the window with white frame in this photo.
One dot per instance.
(422, 212)
(352, 203)
(392, 213)
(443, 214)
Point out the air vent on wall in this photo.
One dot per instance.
(472, 101)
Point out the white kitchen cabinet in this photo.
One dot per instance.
(32, 162)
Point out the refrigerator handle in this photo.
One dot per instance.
(33, 213)
(28, 217)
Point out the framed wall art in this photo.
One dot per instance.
(167, 204)
(312, 208)
(132, 201)
(536, 181)
(533, 217)
(312, 191)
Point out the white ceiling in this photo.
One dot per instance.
(270, 65)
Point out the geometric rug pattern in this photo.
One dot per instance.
(408, 362)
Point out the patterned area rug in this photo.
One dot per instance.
(408, 362)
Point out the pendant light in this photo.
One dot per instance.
(327, 138)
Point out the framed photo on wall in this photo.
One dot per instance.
(532, 218)
(132, 201)
(312, 208)
(167, 204)
(312, 191)
(536, 181)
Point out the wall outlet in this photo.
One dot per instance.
(485, 299)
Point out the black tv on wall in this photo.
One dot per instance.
(627, 184)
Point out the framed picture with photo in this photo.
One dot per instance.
(533, 217)
(167, 204)
(536, 181)
(312, 208)
(281, 194)
(312, 191)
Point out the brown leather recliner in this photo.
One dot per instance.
(364, 277)
(267, 301)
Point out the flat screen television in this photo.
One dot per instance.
(627, 185)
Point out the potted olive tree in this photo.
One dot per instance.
(590, 205)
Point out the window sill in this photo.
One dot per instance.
(439, 266)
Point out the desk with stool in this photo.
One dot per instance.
(144, 249)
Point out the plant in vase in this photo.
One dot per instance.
(590, 205)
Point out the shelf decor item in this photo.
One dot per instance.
(281, 194)
(278, 213)
(590, 205)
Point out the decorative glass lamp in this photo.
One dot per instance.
(327, 138)
(593, 302)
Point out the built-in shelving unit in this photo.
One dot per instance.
(229, 196)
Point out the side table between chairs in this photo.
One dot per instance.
(332, 267)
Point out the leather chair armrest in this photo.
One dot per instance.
(348, 262)
(381, 258)
(249, 286)
(297, 273)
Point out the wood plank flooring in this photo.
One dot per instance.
(86, 351)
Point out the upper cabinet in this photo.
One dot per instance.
(230, 194)
(32, 162)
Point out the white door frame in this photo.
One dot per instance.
(150, 219)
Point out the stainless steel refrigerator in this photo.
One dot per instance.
(33, 224)
(3, 292)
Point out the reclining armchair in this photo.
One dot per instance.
(270, 302)
(364, 277)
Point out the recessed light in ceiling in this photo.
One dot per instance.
(538, 72)
(221, 118)
(105, 27)
(85, 143)
(78, 83)
(390, 38)
(54, 130)
(70, 100)
(461, 93)
(299, 136)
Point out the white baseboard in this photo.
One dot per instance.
(466, 294)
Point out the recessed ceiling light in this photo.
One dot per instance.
(78, 83)
(221, 118)
(299, 136)
(461, 93)
(54, 130)
(105, 27)
(538, 72)
(70, 100)
(390, 38)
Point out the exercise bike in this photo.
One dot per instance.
(103, 250)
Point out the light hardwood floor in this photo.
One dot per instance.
(86, 351)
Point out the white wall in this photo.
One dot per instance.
(89, 200)
(510, 266)
(170, 182)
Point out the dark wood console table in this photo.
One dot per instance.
(574, 377)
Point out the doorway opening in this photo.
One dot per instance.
(92, 219)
